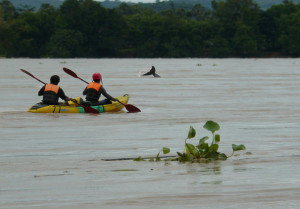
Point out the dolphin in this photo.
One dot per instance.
(152, 72)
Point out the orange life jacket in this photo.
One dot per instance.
(94, 85)
(52, 87)
(50, 95)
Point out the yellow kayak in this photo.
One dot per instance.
(74, 108)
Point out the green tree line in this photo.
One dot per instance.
(84, 28)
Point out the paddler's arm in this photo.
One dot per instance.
(103, 91)
(41, 91)
(62, 95)
(85, 91)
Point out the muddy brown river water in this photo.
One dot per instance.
(56, 160)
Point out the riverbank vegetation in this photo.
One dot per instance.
(84, 28)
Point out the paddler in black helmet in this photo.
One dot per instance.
(52, 92)
(94, 90)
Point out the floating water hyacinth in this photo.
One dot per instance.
(201, 151)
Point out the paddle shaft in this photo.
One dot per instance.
(83, 80)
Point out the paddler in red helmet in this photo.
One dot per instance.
(94, 90)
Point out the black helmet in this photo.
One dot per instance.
(54, 79)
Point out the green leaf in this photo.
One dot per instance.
(186, 158)
(188, 148)
(211, 126)
(139, 159)
(238, 147)
(192, 132)
(157, 156)
(212, 155)
(222, 156)
(189, 157)
(217, 138)
(192, 149)
(166, 150)
(179, 154)
(202, 140)
(214, 148)
(203, 147)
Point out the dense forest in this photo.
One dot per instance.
(157, 5)
(160, 5)
(84, 28)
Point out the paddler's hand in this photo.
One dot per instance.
(73, 100)
(115, 100)
(67, 101)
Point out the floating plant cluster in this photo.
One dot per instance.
(200, 152)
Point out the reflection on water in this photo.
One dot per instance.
(55, 160)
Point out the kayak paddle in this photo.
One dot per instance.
(87, 109)
(28, 73)
(129, 107)
(71, 73)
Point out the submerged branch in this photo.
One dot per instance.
(132, 158)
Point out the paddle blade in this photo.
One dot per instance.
(88, 109)
(131, 108)
(70, 72)
(28, 73)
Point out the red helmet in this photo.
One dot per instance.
(97, 76)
